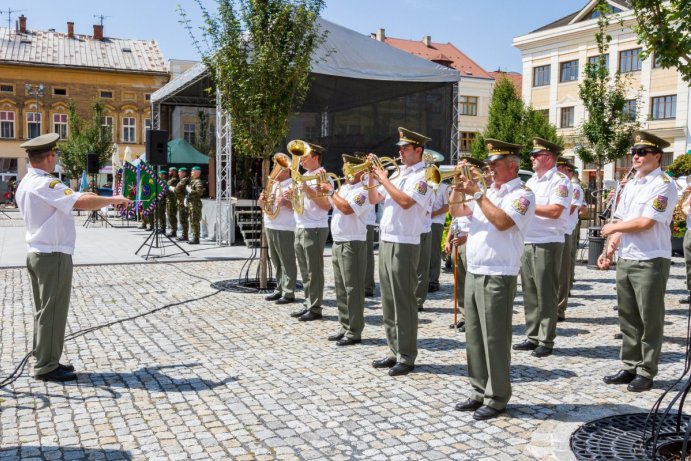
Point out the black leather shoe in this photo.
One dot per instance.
(460, 325)
(348, 341)
(336, 336)
(69, 368)
(58, 376)
(524, 346)
(542, 351)
(623, 377)
(369, 294)
(194, 241)
(401, 369)
(420, 309)
(486, 412)
(432, 288)
(182, 239)
(386, 362)
(640, 384)
(273, 297)
(309, 316)
(299, 312)
(468, 405)
(561, 319)
(285, 300)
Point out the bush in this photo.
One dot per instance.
(681, 166)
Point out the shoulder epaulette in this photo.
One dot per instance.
(561, 175)
(525, 187)
(665, 178)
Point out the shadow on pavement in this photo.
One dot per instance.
(58, 452)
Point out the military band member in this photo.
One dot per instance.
(501, 217)
(687, 243)
(171, 201)
(280, 234)
(440, 207)
(643, 241)
(456, 239)
(180, 195)
(195, 190)
(161, 205)
(404, 207)
(370, 285)
(544, 245)
(425, 254)
(349, 255)
(310, 237)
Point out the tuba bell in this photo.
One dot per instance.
(271, 206)
(297, 148)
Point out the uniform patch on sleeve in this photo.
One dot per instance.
(421, 187)
(54, 183)
(69, 192)
(577, 194)
(561, 191)
(360, 199)
(660, 203)
(521, 205)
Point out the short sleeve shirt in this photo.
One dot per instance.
(313, 216)
(46, 205)
(285, 219)
(552, 188)
(440, 199)
(351, 227)
(578, 201)
(653, 196)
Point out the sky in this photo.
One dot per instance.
(482, 29)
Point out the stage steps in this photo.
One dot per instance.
(248, 218)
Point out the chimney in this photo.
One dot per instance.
(98, 32)
(22, 24)
(427, 40)
(381, 35)
(70, 29)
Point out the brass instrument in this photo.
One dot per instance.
(351, 170)
(434, 176)
(297, 148)
(682, 206)
(322, 177)
(612, 206)
(271, 207)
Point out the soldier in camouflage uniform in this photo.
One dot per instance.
(161, 205)
(180, 192)
(194, 203)
(171, 202)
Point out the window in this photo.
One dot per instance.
(33, 125)
(630, 60)
(5, 88)
(596, 13)
(147, 96)
(59, 91)
(108, 122)
(466, 140)
(129, 129)
(569, 71)
(656, 62)
(566, 117)
(106, 94)
(541, 75)
(468, 105)
(595, 61)
(147, 127)
(60, 125)
(664, 107)
(6, 124)
(189, 132)
(630, 109)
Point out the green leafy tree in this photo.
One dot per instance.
(85, 136)
(607, 130)
(510, 120)
(259, 57)
(663, 27)
(681, 166)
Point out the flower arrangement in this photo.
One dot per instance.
(678, 223)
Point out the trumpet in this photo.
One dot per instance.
(271, 206)
(350, 170)
(321, 178)
(434, 176)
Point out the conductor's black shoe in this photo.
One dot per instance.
(684, 300)
(369, 294)
(194, 241)
(172, 234)
(336, 336)
(285, 300)
(432, 288)
(299, 312)
(309, 316)
(460, 325)
(348, 341)
(386, 362)
(273, 297)
(58, 376)
(640, 384)
(468, 405)
(561, 319)
(69, 368)
(182, 239)
(542, 351)
(622, 377)
(486, 412)
(524, 346)
(420, 309)
(401, 369)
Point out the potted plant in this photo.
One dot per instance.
(681, 166)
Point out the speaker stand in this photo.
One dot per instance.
(154, 240)
(96, 216)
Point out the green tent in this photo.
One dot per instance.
(180, 151)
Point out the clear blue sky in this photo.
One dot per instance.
(483, 29)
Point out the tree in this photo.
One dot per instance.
(663, 27)
(85, 136)
(259, 57)
(510, 120)
(607, 131)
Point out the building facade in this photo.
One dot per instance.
(554, 59)
(42, 71)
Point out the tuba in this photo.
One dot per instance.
(271, 206)
(297, 148)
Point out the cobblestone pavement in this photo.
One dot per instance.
(232, 376)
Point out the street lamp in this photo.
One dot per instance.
(35, 90)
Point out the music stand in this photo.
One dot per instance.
(96, 215)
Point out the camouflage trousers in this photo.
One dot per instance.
(195, 217)
(172, 212)
(183, 218)
(161, 211)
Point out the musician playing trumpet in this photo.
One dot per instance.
(643, 239)
(279, 226)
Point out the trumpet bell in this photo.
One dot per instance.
(298, 148)
(350, 169)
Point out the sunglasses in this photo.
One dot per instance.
(642, 151)
(538, 154)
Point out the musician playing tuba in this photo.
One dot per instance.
(279, 226)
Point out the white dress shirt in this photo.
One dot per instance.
(551, 188)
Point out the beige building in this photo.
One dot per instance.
(554, 58)
(41, 71)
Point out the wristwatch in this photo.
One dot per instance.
(477, 195)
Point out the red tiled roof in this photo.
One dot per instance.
(515, 77)
(442, 53)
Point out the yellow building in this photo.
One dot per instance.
(41, 71)
(554, 58)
